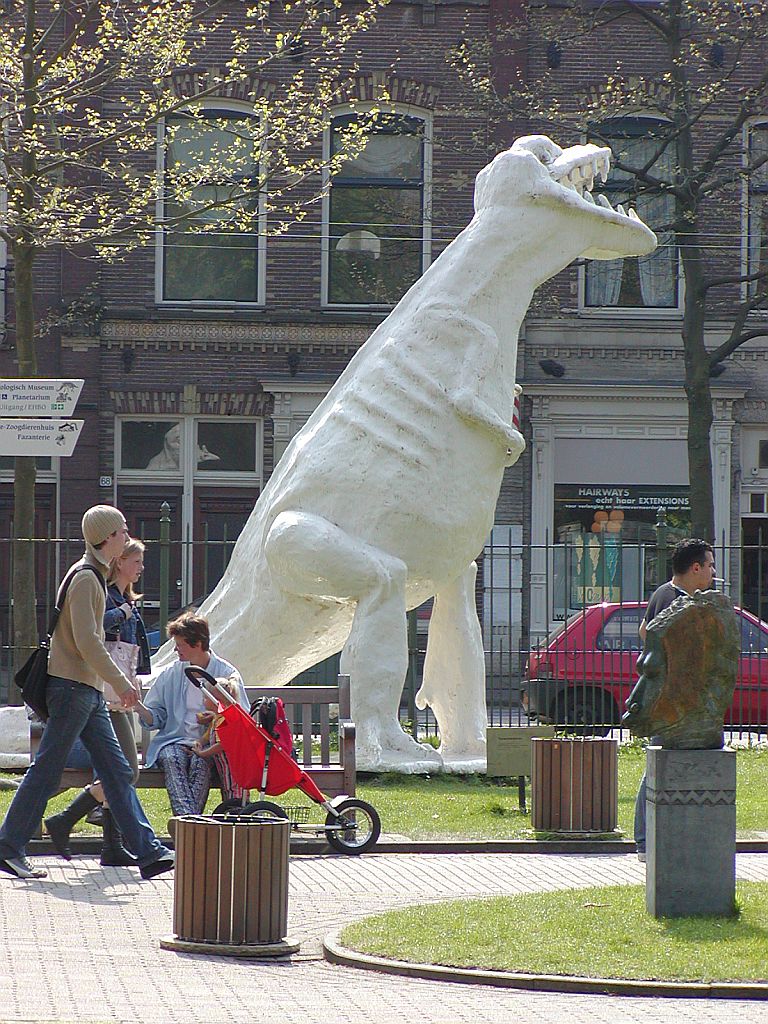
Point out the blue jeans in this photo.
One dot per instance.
(640, 808)
(78, 710)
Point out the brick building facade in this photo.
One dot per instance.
(196, 382)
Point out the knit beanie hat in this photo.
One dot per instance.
(99, 522)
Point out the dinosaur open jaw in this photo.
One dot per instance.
(579, 167)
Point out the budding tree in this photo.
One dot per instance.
(83, 87)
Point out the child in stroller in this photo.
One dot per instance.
(209, 746)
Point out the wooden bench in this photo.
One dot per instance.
(325, 743)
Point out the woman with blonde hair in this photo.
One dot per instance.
(122, 621)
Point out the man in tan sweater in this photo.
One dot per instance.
(77, 666)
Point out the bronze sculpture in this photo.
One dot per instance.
(687, 673)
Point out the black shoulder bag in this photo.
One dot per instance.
(32, 677)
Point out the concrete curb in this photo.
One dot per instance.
(335, 953)
(91, 844)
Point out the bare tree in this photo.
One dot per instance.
(694, 73)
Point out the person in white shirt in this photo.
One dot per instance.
(175, 708)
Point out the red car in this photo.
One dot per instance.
(584, 673)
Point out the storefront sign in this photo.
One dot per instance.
(627, 497)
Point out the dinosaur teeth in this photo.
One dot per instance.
(620, 209)
(603, 201)
(588, 197)
(633, 215)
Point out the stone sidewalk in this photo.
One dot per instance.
(82, 946)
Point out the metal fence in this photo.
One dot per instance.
(559, 620)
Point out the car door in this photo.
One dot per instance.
(616, 650)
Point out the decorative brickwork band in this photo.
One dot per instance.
(381, 86)
(146, 402)
(219, 335)
(697, 797)
(236, 403)
(199, 81)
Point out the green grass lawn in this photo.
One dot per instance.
(598, 933)
(473, 807)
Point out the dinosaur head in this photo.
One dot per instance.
(537, 172)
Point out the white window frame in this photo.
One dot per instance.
(226, 106)
(631, 312)
(417, 113)
(749, 127)
(188, 475)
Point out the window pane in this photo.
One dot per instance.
(620, 632)
(226, 447)
(753, 639)
(376, 243)
(151, 445)
(649, 281)
(211, 267)
(7, 462)
(211, 166)
(393, 150)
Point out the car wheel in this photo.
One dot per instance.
(586, 713)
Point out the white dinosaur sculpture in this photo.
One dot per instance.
(387, 494)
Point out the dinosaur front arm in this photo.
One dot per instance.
(472, 409)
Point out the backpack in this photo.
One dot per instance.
(269, 712)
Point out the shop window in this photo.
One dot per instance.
(644, 282)
(605, 541)
(757, 219)
(210, 248)
(198, 446)
(376, 224)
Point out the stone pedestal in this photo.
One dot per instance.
(691, 832)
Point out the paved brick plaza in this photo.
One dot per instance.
(83, 914)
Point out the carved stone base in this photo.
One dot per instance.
(691, 832)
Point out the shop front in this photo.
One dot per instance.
(604, 460)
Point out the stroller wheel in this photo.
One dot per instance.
(264, 809)
(356, 829)
(231, 806)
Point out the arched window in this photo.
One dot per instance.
(209, 242)
(645, 282)
(376, 227)
(757, 214)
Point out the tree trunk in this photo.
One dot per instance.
(25, 631)
(697, 389)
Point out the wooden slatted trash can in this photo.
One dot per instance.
(230, 892)
(574, 785)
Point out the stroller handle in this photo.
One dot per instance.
(200, 678)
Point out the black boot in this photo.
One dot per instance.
(60, 825)
(113, 853)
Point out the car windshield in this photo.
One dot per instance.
(561, 628)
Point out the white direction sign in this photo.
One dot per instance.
(39, 437)
(29, 396)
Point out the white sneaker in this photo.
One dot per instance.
(21, 868)
(641, 856)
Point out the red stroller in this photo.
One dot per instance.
(258, 761)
